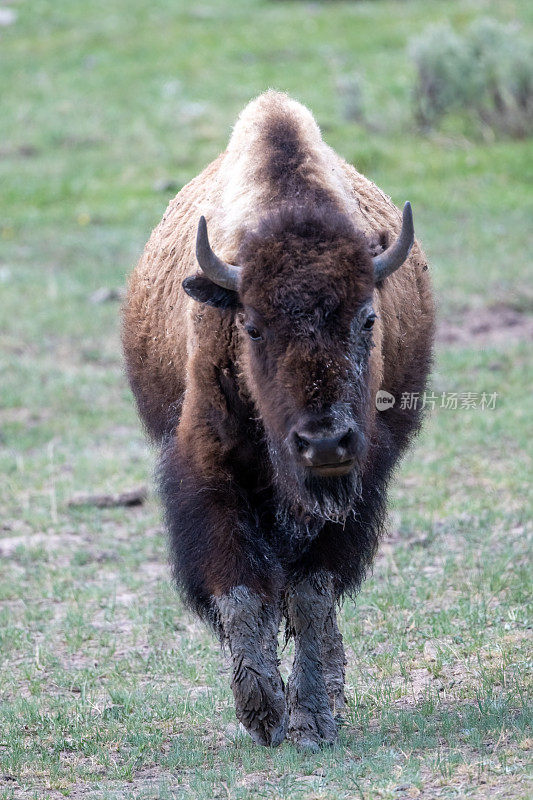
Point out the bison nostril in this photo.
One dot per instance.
(346, 439)
(300, 442)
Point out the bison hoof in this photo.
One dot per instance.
(310, 731)
(267, 735)
(305, 745)
(260, 705)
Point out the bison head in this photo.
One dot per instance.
(303, 300)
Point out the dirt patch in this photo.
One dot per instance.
(131, 497)
(477, 780)
(494, 324)
(10, 544)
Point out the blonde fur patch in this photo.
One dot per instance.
(246, 192)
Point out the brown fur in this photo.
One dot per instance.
(303, 225)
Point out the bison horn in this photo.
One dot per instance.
(225, 275)
(394, 256)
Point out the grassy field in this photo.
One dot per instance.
(108, 688)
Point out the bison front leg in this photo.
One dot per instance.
(333, 662)
(318, 668)
(250, 628)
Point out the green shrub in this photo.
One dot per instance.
(487, 72)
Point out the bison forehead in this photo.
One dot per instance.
(305, 300)
(305, 260)
(300, 290)
(306, 309)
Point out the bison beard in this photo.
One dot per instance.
(304, 503)
(299, 248)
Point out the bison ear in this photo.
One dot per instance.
(203, 290)
(378, 243)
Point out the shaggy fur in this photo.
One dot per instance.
(303, 225)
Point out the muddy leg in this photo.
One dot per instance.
(310, 604)
(334, 663)
(250, 629)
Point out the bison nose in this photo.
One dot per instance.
(335, 450)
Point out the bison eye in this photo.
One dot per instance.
(253, 333)
(369, 321)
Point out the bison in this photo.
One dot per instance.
(255, 354)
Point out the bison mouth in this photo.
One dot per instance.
(333, 470)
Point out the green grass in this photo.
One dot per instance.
(108, 688)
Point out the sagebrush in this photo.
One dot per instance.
(486, 72)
